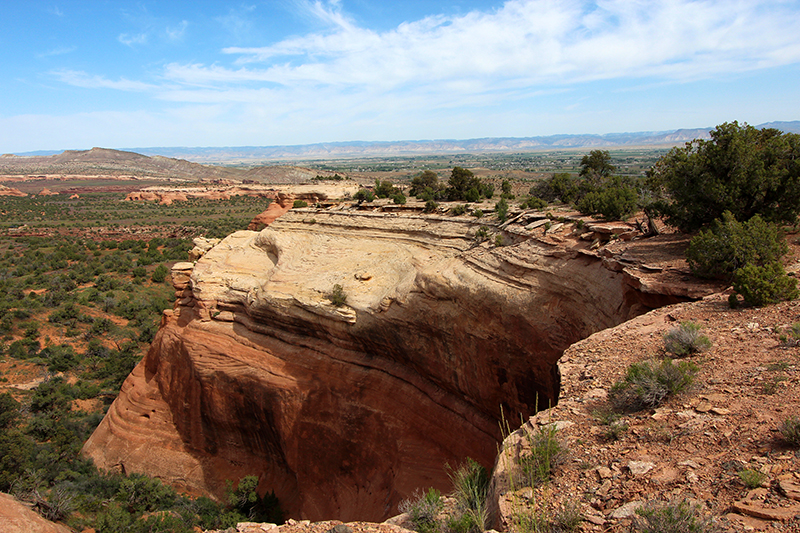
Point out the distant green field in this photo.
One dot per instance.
(212, 218)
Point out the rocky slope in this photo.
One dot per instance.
(344, 411)
(691, 448)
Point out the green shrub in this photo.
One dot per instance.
(501, 209)
(9, 410)
(245, 499)
(470, 485)
(672, 517)
(424, 510)
(752, 479)
(337, 296)
(159, 274)
(477, 213)
(533, 203)
(482, 234)
(546, 452)
(742, 169)
(649, 383)
(763, 285)
(686, 340)
(730, 245)
(458, 210)
(790, 431)
(430, 206)
(614, 202)
(299, 203)
(364, 195)
(399, 198)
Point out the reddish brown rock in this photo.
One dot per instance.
(10, 191)
(345, 411)
(278, 207)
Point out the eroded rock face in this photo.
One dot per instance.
(345, 411)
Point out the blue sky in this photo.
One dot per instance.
(78, 74)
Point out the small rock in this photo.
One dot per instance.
(703, 407)
(340, 528)
(639, 468)
(791, 490)
(689, 463)
(768, 513)
(594, 519)
(597, 394)
(604, 488)
(720, 411)
(627, 510)
(604, 472)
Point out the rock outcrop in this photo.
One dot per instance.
(10, 191)
(16, 517)
(345, 410)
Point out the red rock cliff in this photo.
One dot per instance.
(345, 411)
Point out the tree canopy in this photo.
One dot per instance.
(741, 169)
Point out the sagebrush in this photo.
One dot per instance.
(649, 383)
(685, 340)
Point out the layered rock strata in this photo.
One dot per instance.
(345, 410)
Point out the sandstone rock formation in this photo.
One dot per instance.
(16, 517)
(312, 193)
(281, 204)
(344, 411)
(10, 191)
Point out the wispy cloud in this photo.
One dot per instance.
(132, 40)
(176, 33)
(60, 51)
(55, 11)
(82, 79)
(237, 22)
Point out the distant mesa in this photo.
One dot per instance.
(9, 191)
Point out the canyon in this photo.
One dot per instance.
(345, 410)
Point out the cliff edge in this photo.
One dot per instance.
(345, 410)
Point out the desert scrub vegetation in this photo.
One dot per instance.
(467, 514)
(672, 517)
(764, 285)
(790, 431)
(75, 305)
(470, 486)
(741, 169)
(337, 296)
(423, 510)
(791, 336)
(686, 339)
(729, 245)
(752, 479)
(546, 451)
(648, 384)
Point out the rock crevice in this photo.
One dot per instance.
(345, 411)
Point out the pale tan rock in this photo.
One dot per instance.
(639, 468)
(407, 376)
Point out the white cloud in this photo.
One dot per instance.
(82, 79)
(475, 74)
(131, 40)
(534, 42)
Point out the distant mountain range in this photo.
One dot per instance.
(358, 149)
